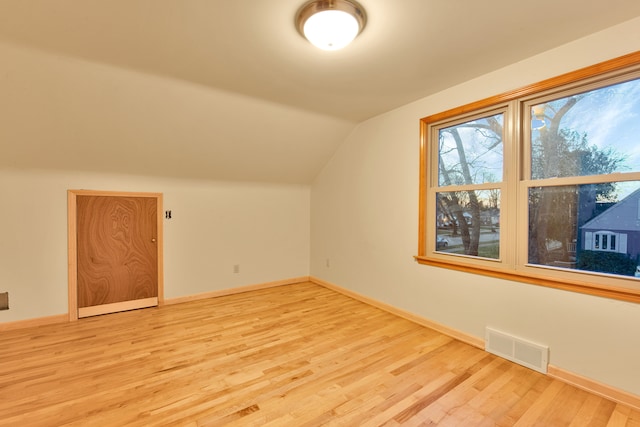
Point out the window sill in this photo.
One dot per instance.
(584, 287)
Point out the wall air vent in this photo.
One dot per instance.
(525, 353)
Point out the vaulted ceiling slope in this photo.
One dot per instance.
(229, 90)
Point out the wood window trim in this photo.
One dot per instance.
(624, 294)
(619, 64)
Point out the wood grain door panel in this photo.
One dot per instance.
(117, 252)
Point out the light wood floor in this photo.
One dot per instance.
(296, 355)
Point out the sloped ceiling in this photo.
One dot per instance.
(228, 90)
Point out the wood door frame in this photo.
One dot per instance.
(72, 242)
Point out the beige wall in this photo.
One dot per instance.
(364, 221)
(262, 227)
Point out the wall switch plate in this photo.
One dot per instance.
(4, 300)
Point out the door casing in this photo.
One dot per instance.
(72, 247)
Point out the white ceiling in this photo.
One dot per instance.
(282, 106)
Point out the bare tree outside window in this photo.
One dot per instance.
(562, 146)
(470, 153)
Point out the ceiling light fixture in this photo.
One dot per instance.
(331, 24)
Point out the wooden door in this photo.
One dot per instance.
(117, 253)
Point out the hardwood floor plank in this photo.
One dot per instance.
(292, 355)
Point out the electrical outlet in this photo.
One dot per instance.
(236, 268)
(4, 301)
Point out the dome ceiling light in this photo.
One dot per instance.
(331, 24)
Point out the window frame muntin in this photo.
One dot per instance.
(623, 289)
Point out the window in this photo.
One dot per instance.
(540, 185)
(608, 240)
(469, 169)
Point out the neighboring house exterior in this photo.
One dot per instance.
(617, 229)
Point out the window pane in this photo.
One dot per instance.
(471, 152)
(590, 133)
(590, 227)
(468, 223)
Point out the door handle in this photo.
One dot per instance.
(153, 240)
